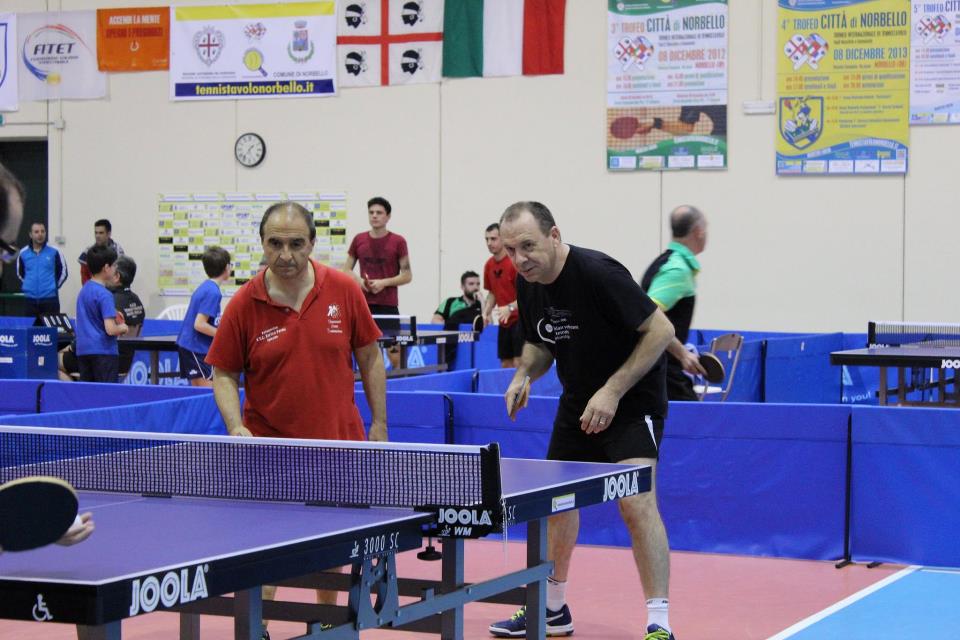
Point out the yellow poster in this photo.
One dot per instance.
(843, 86)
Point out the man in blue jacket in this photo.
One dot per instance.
(42, 271)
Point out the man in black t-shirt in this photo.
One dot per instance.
(583, 309)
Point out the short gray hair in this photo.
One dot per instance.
(538, 210)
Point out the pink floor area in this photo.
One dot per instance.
(712, 597)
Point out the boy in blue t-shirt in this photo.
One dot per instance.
(97, 327)
(203, 316)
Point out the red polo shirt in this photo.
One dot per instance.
(500, 279)
(297, 367)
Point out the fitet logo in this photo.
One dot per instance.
(172, 589)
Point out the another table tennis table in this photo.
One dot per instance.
(941, 359)
(185, 553)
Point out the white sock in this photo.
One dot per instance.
(657, 612)
(556, 594)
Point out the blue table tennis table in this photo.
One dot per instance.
(943, 360)
(185, 553)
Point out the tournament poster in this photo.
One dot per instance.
(935, 62)
(666, 84)
(843, 86)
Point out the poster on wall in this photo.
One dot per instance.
(58, 56)
(188, 223)
(133, 39)
(666, 84)
(9, 100)
(843, 86)
(253, 51)
(935, 62)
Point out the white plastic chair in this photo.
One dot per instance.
(173, 312)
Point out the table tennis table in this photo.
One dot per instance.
(404, 339)
(903, 357)
(184, 553)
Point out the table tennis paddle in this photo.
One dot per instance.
(713, 366)
(626, 127)
(521, 397)
(35, 511)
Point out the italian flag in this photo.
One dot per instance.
(502, 37)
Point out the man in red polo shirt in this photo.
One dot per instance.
(500, 279)
(291, 331)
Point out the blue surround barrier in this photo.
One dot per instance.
(411, 416)
(748, 378)
(496, 381)
(755, 479)
(59, 396)
(181, 415)
(798, 369)
(906, 485)
(19, 396)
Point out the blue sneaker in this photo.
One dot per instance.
(559, 623)
(656, 632)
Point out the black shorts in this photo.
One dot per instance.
(193, 366)
(509, 341)
(99, 368)
(625, 438)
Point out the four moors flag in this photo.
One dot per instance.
(386, 42)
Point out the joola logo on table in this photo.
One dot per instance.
(7, 340)
(465, 516)
(950, 364)
(621, 486)
(173, 588)
(42, 339)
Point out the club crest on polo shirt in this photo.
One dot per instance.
(334, 319)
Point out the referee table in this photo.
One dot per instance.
(184, 520)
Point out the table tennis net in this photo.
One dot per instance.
(913, 334)
(255, 468)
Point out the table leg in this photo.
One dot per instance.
(248, 614)
(451, 621)
(109, 631)
(154, 367)
(189, 626)
(883, 385)
(537, 591)
(901, 386)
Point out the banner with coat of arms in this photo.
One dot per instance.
(253, 51)
(9, 100)
(58, 56)
(843, 86)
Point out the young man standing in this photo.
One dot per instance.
(98, 355)
(102, 232)
(42, 271)
(500, 279)
(202, 318)
(384, 266)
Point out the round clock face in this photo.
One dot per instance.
(250, 149)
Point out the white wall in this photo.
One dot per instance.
(798, 253)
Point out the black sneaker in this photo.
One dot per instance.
(559, 623)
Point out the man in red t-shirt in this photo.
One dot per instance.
(292, 331)
(384, 265)
(500, 279)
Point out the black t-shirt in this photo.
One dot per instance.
(129, 304)
(588, 319)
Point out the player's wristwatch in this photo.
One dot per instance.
(658, 123)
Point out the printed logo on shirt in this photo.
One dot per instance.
(271, 334)
(556, 326)
(334, 319)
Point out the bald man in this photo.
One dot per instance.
(671, 282)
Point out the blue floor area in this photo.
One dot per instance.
(924, 604)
